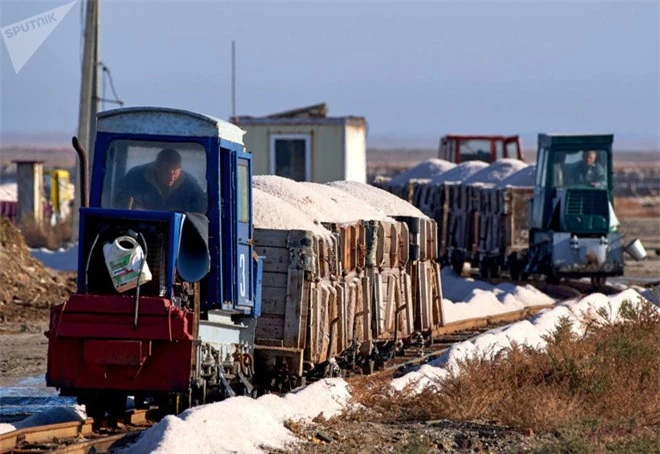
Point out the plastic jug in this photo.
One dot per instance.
(124, 257)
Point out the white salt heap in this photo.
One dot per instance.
(525, 177)
(387, 202)
(496, 172)
(345, 201)
(460, 172)
(466, 298)
(524, 333)
(430, 168)
(272, 213)
(242, 424)
(318, 206)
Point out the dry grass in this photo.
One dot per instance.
(45, 235)
(604, 384)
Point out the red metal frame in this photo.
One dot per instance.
(493, 139)
(93, 345)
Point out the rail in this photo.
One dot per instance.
(74, 437)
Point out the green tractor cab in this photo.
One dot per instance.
(573, 228)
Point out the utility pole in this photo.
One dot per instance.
(88, 98)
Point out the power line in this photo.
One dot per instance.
(103, 99)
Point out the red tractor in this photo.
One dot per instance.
(461, 148)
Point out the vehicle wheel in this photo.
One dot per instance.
(598, 281)
(484, 269)
(457, 262)
(175, 403)
(116, 406)
(495, 270)
(95, 409)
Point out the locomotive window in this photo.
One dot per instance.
(581, 167)
(156, 176)
(243, 193)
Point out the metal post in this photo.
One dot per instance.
(30, 177)
(88, 99)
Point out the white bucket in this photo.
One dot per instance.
(636, 250)
(124, 257)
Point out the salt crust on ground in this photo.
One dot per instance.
(431, 168)
(385, 201)
(526, 332)
(63, 259)
(466, 298)
(242, 424)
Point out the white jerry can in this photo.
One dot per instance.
(124, 257)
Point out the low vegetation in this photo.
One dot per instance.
(44, 235)
(596, 392)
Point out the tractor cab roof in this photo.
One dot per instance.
(167, 121)
(577, 140)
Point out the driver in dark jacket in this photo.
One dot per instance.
(591, 172)
(161, 186)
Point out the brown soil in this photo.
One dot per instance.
(340, 436)
(638, 208)
(23, 354)
(28, 288)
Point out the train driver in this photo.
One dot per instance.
(161, 185)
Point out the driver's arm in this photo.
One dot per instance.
(198, 198)
(128, 197)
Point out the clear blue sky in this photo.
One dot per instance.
(414, 70)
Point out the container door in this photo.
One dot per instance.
(244, 290)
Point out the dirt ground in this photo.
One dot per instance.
(340, 436)
(23, 354)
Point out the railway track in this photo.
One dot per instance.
(81, 438)
(75, 437)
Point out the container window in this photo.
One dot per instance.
(243, 193)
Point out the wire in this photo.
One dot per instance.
(106, 70)
(137, 289)
(102, 90)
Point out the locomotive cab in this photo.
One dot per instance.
(168, 282)
(574, 231)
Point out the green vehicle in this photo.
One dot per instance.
(573, 231)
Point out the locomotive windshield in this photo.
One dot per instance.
(581, 168)
(155, 176)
